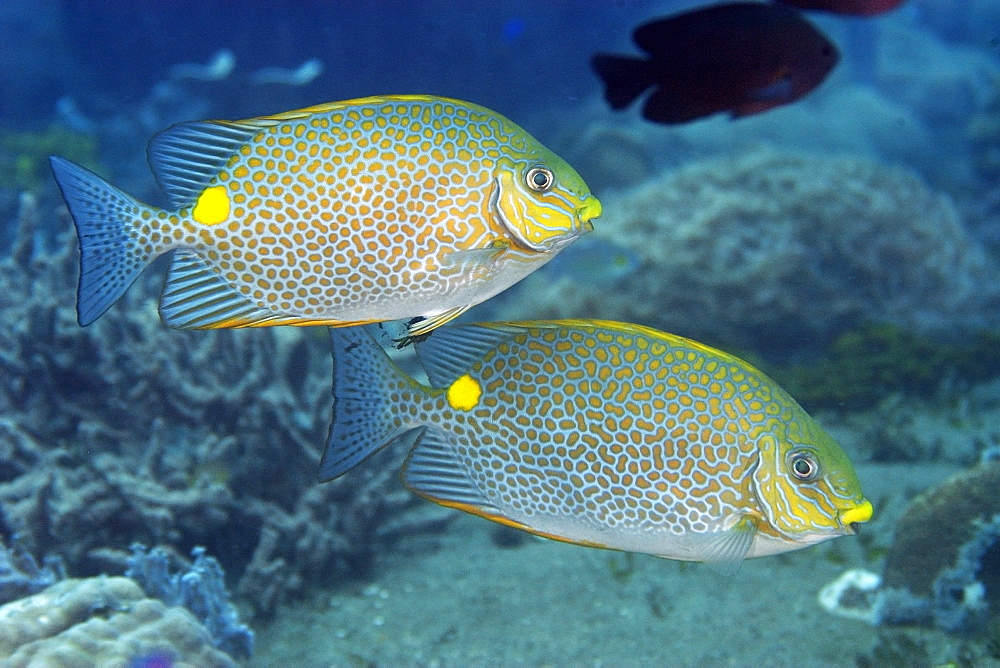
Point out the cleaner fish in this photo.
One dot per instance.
(380, 208)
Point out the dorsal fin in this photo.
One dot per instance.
(449, 352)
(187, 156)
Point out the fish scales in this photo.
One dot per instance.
(431, 163)
(671, 457)
(366, 210)
(619, 436)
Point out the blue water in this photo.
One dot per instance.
(873, 201)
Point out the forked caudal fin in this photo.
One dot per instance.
(110, 257)
(369, 393)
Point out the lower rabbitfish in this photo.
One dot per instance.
(599, 433)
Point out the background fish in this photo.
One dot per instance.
(372, 209)
(855, 7)
(599, 433)
(742, 58)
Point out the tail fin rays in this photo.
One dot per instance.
(110, 258)
(367, 390)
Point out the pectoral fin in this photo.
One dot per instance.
(725, 550)
(475, 260)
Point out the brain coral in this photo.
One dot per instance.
(102, 622)
(776, 250)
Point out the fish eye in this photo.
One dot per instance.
(803, 466)
(540, 179)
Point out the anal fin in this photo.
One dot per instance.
(434, 471)
(196, 297)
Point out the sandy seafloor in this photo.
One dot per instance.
(460, 600)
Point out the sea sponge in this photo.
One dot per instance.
(946, 551)
(101, 621)
(943, 568)
(776, 251)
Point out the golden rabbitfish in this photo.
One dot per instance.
(373, 209)
(599, 433)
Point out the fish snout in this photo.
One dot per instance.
(586, 213)
(851, 518)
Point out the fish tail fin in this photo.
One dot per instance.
(368, 389)
(106, 218)
(624, 78)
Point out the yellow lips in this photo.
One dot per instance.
(859, 513)
(590, 210)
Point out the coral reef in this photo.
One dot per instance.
(126, 431)
(201, 588)
(956, 425)
(21, 575)
(864, 367)
(943, 568)
(984, 133)
(24, 156)
(781, 252)
(102, 621)
(946, 555)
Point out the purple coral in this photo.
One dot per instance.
(201, 589)
(21, 575)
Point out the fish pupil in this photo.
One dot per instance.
(804, 467)
(540, 179)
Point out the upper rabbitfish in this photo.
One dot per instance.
(602, 434)
(380, 208)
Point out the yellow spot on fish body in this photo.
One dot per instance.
(212, 206)
(464, 393)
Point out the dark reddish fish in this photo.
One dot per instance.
(741, 57)
(855, 7)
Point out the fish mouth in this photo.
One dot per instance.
(592, 209)
(852, 518)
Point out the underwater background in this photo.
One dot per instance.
(847, 244)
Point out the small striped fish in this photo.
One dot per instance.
(602, 434)
(380, 208)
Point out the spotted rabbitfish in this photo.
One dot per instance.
(599, 433)
(380, 208)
